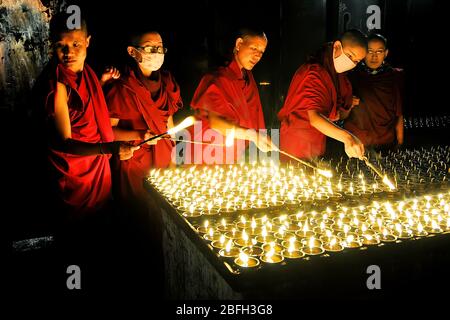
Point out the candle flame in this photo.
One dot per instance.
(253, 225)
(388, 182)
(420, 227)
(229, 140)
(325, 173)
(189, 121)
(228, 246)
(311, 242)
(434, 224)
(244, 259)
(270, 254)
(346, 229)
(333, 242)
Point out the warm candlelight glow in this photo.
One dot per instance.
(333, 242)
(279, 201)
(388, 182)
(229, 140)
(244, 259)
(311, 242)
(228, 246)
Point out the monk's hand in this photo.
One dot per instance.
(264, 143)
(147, 135)
(355, 102)
(110, 73)
(126, 151)
(354, 148)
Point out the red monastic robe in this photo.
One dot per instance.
(315, 86)
(232, 94)
(375, 119)
(83, 182)
(141, 104)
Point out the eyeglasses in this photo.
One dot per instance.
(380, 51)
(153, 49)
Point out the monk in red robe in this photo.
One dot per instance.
(227, 100)
(79, 135)
(317, 91)
(142, 104)
(378, 120)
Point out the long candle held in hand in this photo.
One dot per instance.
(189, 121)
(385, 180)
(325, 173)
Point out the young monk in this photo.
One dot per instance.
(79, 135)
(228, 99)
(318, 90)
(378, 120)
(142, 104)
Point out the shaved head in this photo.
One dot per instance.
(354, 38)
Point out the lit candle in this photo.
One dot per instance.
(314, 247)
(219, 244)
(205, 228)
(245, 261)
(387, 237)
(333, 245)
(351, 242)
(271, 257)
(229, 251)
(370, 238)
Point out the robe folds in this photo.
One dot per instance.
(315, 86)
(374, 120)
(231, 93)
(143, 104)
(82, 183)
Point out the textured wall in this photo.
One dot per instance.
(23, 47)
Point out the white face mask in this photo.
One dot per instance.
(151, 61)
(343, 63)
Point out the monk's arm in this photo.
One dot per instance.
(328, 128)
(262, 141)
(224, 126)
(64, 141)
(399, 130)
(170, 122)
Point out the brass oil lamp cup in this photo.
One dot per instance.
(245, 261)
(387, 236)
(229, 251)
(333, 245)
(351, 241)
(219, 244)
(253, 251)
(370, 238)
(292, 254)
(271, 257)
(272, 246)
(312, 246)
